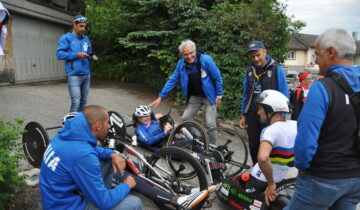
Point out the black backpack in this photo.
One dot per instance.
(296, 104)
(354, 98)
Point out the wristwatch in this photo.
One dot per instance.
(220, 96)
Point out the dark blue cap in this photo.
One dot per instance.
(255, 45)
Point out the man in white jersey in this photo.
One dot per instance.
(276, 152)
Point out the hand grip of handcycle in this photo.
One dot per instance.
(186, 132)
(132, 166)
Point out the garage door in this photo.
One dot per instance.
(34, 48)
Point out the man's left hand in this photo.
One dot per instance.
(118, 163)
(218, 102)
(270, 193)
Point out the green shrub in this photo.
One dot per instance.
(9, 160)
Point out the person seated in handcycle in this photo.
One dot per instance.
(275, 156)
(152, 130)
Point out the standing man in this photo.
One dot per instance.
(201, 83)
(299, 97)
(75, 48)
(264, 73)
(325, 146)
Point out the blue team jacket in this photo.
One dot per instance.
(314, 112)
(68, 46)
(212, 83)
(150, 134)
(71, 165)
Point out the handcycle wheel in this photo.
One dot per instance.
(35, 141)
(196, 131)
(161, 159)
(285, 190)
(235, 152)
(118, 124)
(199, 139)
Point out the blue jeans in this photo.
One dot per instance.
(193, 106)
(130, 202)
(78, 86)
(318, 193)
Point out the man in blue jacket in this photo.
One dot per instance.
(201, 83)
(75, 48)
(264, 73)
(325, 145)
(70, 175)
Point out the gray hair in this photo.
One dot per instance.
(186, 43)
(341, 40)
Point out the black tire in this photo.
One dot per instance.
(285, 190)
(118, 124)
(236, 161)
(196, 130)
(198, 133)
(35, 141)
(162, 157)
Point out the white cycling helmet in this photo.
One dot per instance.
(142, 111)
(273, 101)
(67, 117)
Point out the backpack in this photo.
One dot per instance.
(354, 98)
(296, 104)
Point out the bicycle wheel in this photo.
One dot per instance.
(171, 170)
(285, 190)
(190, 130)
(35, 141)
(232, 148)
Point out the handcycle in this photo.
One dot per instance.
(234, 196)
(155, 168)
(220, 161)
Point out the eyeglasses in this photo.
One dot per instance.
(81, 20)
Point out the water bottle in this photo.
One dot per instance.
(134, 140)
(244, 178)
(187, 133)
(112, 143)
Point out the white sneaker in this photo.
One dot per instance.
(211, 189)
(190, 201)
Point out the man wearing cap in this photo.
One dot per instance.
(299, 97)
(75, 48)
(263, 73)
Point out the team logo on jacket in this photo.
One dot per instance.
(250, 73)
(269, 73)
(86, 46)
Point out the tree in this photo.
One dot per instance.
(144, 35)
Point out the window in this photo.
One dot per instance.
(291, 55)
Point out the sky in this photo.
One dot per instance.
(319, 15)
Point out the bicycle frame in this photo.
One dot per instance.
(128, 150)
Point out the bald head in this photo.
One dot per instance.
(94, 113)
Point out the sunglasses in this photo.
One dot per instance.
(81, 20)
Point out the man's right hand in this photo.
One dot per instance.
(129, 180)
(155, 103)
(82, 55)
(242, 122)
